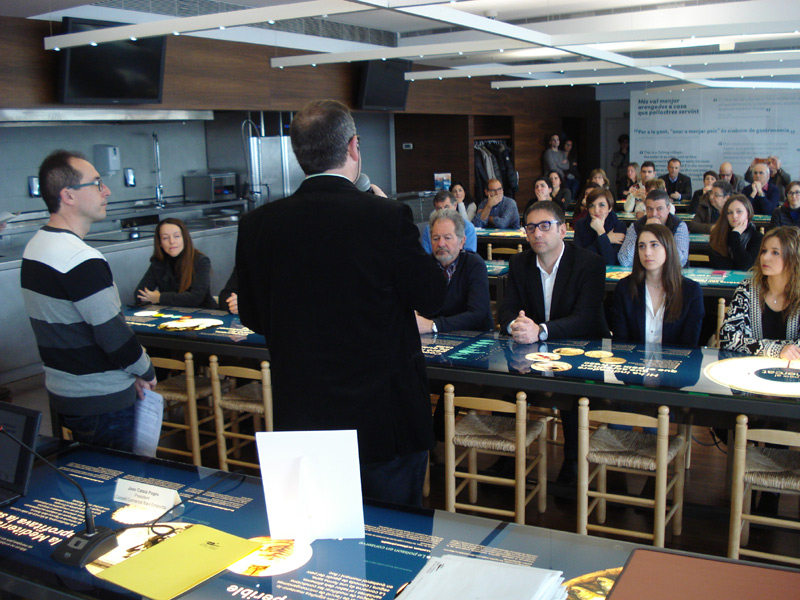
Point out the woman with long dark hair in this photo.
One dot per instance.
(465, 203)
(178, 274)
(734, 239)
(560, 194)
(656, 304)
(764, 316)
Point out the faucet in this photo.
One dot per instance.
(159, 186)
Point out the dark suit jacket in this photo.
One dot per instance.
(336, 306)
(576, 309)
(683, 185)
(628, 318)
(466, 305)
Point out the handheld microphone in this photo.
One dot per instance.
(83, 546)
(362, 183)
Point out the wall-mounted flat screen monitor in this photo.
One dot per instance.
(120, 72)
(383, 85)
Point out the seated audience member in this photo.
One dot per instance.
(679, 186)
(601, 232)
(777, 176)
(228, 296)
(656, 304)
(734, 239)
(465, 203)
(631, 181)
(764, 316)
(497, 211)
(788, 213)
(657, 210)
(737, 182)
(444, 199)
(635, 201)
(764, 196)
(466, 305)
(709, 177)
(560, 194)
(554, 291)
(708, 211)
(579, 208)
(599, 177)
(542, 189)
(178, 274)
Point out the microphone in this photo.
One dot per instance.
(83, 546)
(362, 183)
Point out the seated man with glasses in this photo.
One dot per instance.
(709, 207)
(497, 211)
(554, 291)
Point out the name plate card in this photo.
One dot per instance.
(145, 494)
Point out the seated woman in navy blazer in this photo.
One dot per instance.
(601, 232)
(656, 304)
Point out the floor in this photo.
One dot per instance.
(705, 528)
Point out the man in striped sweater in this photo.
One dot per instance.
(94, 367)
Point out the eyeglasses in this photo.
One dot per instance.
(793, 193)
(494, 191)
(545, 226)
(98, 182)
(718, 195)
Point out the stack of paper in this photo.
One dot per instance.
(461, 578)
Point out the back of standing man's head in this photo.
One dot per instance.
(320, 134)
(55, 174)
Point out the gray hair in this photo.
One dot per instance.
(452, 215)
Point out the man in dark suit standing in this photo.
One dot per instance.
(554, 291)
(331, 276)
(678, 185)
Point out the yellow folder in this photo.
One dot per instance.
(179, 563)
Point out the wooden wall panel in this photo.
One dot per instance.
(440, 145)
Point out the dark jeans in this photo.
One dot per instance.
(111, 430)
(398, 481)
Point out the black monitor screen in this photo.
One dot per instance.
(120, 72)
(383, 85)
(15, 461)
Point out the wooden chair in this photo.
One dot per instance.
(765, 469)
(183, 391)
(490, 252)
(496, 435)
(629, 452)
(251, 401)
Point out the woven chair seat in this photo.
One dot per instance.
(777, 468)
(493, 432)
(629, 449)
(174, 388)
(247, 398)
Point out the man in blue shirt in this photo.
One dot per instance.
(497, 210)
(445, 199)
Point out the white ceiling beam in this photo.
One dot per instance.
(400, 52)
(249, 16)
(631, 78)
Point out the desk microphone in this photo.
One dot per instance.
(362, 183)
(83, 546)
